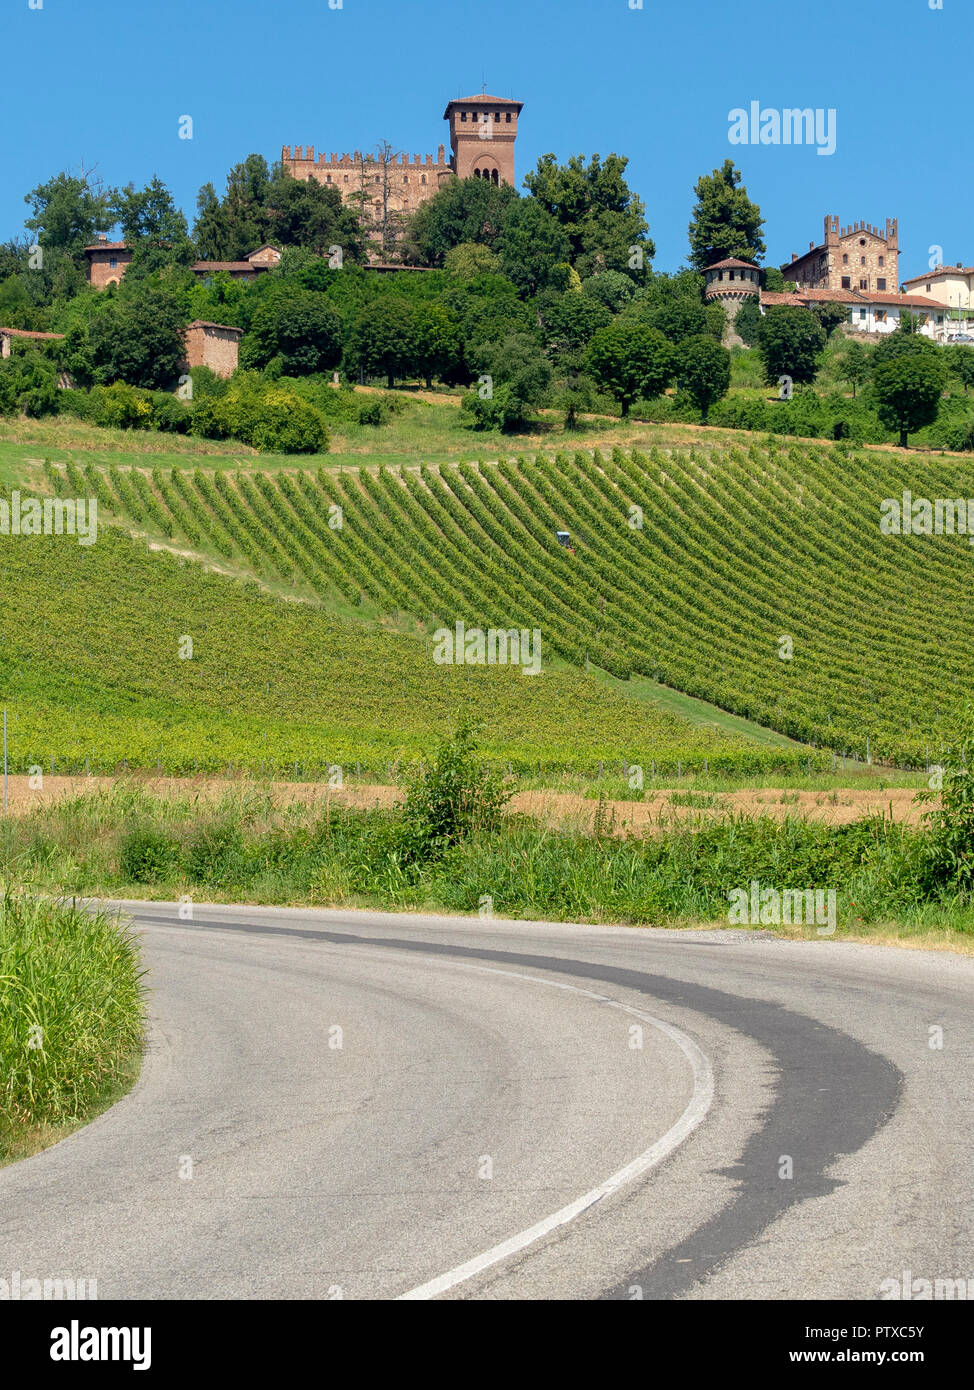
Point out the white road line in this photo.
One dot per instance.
(696, 1110)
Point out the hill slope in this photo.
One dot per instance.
(687, 567)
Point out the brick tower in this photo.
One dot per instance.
(482, 134)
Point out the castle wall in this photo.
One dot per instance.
(404, 182)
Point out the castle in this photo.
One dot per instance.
(858, 258)
(482, 133)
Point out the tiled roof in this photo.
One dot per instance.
(107, 246)
(203, 323)
(910, 301)
(201, 267)
(732, 263)
(941, 271)
(857, 298)
(824, 296)
(26, 333)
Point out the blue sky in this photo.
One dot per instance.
(106, 82)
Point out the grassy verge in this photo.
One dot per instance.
(244, 847)
(71, 1018)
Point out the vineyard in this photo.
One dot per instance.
(97, 676)
(757, 580)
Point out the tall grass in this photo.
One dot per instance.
(128, 842)
(71, 1013)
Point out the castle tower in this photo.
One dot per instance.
(729, 283)
(482, 134)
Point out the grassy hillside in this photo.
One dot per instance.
(91, 673)
(687, 568)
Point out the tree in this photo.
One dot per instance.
(375, 199)
(437, 347)
(231, 229)
(603, 219)
(907, 388)
(703, 371)
(532, 246)
(747, 324)
(470, 259)
(514, 380)
(383, 339)
(139, 339)
(300, 328)
(69, 211)
(568, 321)
(855, 365)
(678, 319)
(725, 223)
(462, 211)
(903, 343)
(790, 341)
(609, 287)
(309, 215)
(830, 315)
(631, 361)
(960, 359)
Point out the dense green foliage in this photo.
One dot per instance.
(247, 846)
(725, 223)
(91, 672)
(676, 573)
(71, 1012)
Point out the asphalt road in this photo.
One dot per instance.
(365, 1105)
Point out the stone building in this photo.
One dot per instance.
(213, 345)
(107, 262)
(482, 128)
(264, 258)
(729, 283)
(859, 257)
(25, 335)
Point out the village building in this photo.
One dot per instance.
(264, 258)
(874, 312)
(213, 345)
(953, 287)
(858, 257)
(107, 262)
(8, 334)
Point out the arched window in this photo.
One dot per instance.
(496, 178)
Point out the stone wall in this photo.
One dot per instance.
(213, 345)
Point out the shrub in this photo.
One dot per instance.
(148, 856)
(120, 406)
(453, 799)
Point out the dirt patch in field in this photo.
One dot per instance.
(656, 810)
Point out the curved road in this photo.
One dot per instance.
(364, 1105)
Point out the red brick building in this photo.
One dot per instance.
(213, 345)
(483, 130)
(107, 262)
